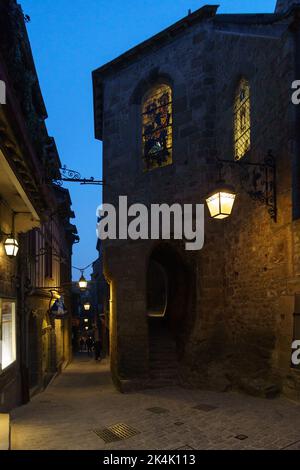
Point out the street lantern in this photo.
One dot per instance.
(11, 247)
(86, 320)
(87, 306)
(220, 202)
(82, 282)
(258, 180)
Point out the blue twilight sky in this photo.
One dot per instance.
(70, 38)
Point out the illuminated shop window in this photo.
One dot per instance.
(7, 333)
(242, 121)
(157, 127)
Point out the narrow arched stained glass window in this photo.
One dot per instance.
(157, 116)
(242, 120)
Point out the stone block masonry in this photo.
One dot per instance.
(231, 308)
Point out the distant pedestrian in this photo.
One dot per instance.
(82, 344)
(98, 350)
(89, 344)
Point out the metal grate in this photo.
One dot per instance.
(204, 407)
(157, 410)
(118, 432)
(106, 435)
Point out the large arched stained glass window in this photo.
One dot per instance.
(157, 115)
(242, 120)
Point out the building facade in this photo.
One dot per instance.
(35, 216)
(211, 87)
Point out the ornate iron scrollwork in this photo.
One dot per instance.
(73, 176)
(259, 181)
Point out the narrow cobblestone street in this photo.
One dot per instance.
(83, 400)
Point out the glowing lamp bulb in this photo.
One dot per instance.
(82, 283)
(220, 202)
(11, 247)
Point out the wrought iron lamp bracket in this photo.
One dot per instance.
(72, 176)
(258, 180)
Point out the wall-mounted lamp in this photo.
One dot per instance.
(257, 179)
(220, 202)
(87, 306)
(11, 245)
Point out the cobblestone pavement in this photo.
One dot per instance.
(83, 400)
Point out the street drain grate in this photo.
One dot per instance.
(241, 437)
(157, 410)
(118, 432)
(206, 408)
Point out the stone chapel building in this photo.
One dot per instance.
(210, 87)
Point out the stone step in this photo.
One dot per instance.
(163, 370)
(171, 377)
(161, 383)
(163, 365)
(159, 350)
(163, 361)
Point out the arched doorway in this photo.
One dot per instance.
(167, 306)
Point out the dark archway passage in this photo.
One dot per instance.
(167, 301)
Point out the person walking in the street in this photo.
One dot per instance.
(98, 350)
(82, 344)
(89, 344)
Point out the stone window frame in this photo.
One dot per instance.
(240, 141)
(153, 79)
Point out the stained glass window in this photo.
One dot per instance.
(157, 127)
(242, 120)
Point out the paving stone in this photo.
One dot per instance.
(83, 399)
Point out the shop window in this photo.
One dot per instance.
(7, 333)
(157, 120)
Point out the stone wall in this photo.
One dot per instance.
(283, 6)
(245, 278)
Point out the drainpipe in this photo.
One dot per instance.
(296, 158)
